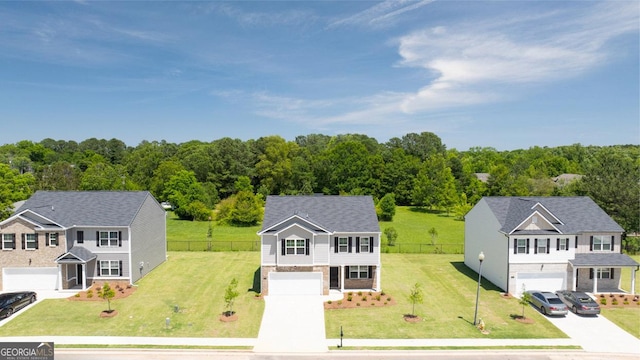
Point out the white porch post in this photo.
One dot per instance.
(84, 276)
(595, 280)
(60, 287)
(378, 278)
(575, 278)
(341, 278)
(633, 281)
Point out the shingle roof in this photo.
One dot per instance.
(603, 259)
(87, 208)
(334, 213)
(577, 214)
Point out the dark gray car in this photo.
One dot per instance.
(14, 301)
(548, 303)
(579, 302)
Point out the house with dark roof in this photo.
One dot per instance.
(546, 243)
(61, 240)
(312, 244)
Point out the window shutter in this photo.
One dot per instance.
(548, 244)
(567, 248)
(13, 243)
(346, 269)
(371, 244)
(591, 273)
(557, 244)
(120, 238)
(515, 246)
(23, 241)
(335, 240)
(98, 268)
(120, 268)
(357, 244)
(370, 274)
(613, 241)
(350, 244)
(612, 273)
(576, 243)
(80, 237)
(37, 241)
(527, 245)
(283, 247)
(46, 239)
(535, 246)
(98, 238)
(306, 246)
(591, 243)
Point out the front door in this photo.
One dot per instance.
(334, 278)
(79, 274)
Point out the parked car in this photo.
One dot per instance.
(548, 303)
(579, 302)
(14, 301)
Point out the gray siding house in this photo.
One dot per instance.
(68, 239)
(311, 244)
(546, 243)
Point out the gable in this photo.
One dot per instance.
(536, 222)
(294, 221)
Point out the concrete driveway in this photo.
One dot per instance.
(597, 334)
(292, 324)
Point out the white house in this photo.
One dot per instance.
(546, 243)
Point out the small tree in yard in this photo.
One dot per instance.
(415, 296)
(434, 234)
(391, 235)
(230, 295)
(524, 300)
(106, 293)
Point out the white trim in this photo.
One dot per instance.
(262, 232)
(547, 210)
(535, 213)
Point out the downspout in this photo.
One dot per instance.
(508, 264)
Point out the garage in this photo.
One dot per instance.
(295, 283)
(540, 281)
(34, 278)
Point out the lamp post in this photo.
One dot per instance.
(481, 259)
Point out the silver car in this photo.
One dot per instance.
(548, 303)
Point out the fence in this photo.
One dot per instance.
(254, 245)
(423, 248)
(210, 245)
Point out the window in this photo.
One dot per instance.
(109, 268)
(601, 243)
(365, 244)
(53, 239)
(359, 272)
(521, 246)
(108, 238)
(31, 241)
(563, 244)
(8, 241)
(343, 245)
(295, 246)
(604, 273)
(542, 245)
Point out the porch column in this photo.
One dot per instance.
(84, 276)
(341, 278)
(633, 280)
(575, 278)
(378, 278)
(59, 284)
(595, 280)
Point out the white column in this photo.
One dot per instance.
(59, 285)
(633, 280)
(575, 279)
(84, 276)
(595, 280)
(341, 278)
(378, 278)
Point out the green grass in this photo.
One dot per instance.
(195, 281)
(413, 224)
(626, 318)
(185, 235)
(448, 308)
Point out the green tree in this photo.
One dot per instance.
(391, 235)
(230, 295)
(13, 187)
(415, 297)
(434, 235)
(247, 210)
(275, 164)
(525, 298)
(183, 189)
(60, 175)
(386, 208)
(105, 292)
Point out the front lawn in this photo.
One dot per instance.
(626, 318)
(448, 308)
(194, 281)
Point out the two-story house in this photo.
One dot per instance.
(311, 244)
(546, 243)
(68, 239)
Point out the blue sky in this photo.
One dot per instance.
(505, 74)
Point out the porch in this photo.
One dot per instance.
(73, 268)
(598, 273)
(345, 278)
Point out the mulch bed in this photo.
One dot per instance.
(631, 300)
(412, 318)
(122, 289)
(108, 314)
(226, 317)
(361, 300)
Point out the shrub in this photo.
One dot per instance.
(358, 304)
(329, 302)
(615, 301)
(77, 295)
(349, 297)
(378, 297)
(385, 303)
(339, 302)
(359, 293)
(603, 301)
(370, 294)
(626, 302)
(364, 298)
(389, 298)
(373, 304)
(383, 293)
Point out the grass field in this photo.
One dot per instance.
(195, 281)
(448, 308)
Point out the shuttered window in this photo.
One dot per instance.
(110, 267)
(31, 241)
(359, 272)
(109, 239)
(8, 241)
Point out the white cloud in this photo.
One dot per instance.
(382, 13)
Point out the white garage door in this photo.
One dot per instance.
(540, 281)
(295, 283)
(35, 278)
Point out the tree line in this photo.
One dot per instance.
(415, 170)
